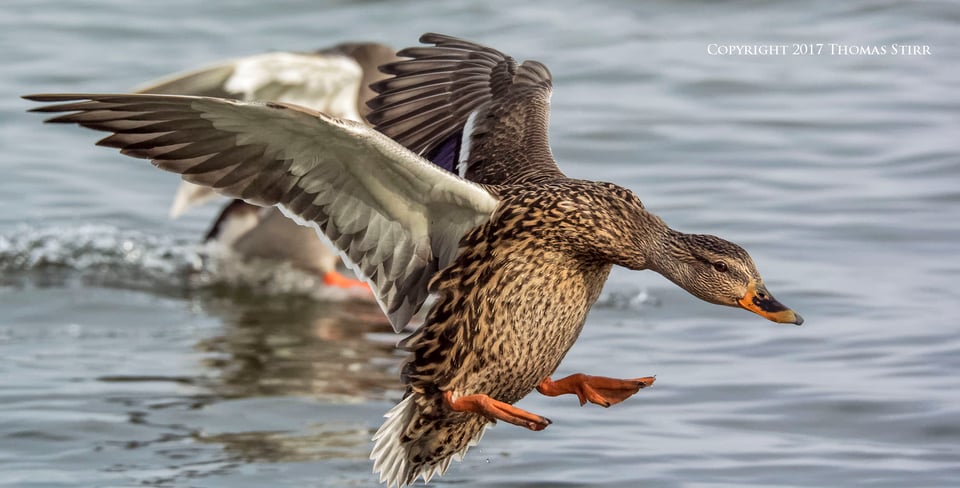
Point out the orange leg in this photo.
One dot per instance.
(496, 410)
(595, 389)
(334, 278)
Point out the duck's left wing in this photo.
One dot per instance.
(470, 109)
(396, 218)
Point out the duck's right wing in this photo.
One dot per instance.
(395, 217)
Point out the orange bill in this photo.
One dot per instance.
(759, 301)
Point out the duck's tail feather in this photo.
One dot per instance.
(418, 439)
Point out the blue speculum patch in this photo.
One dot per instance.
(447, 154)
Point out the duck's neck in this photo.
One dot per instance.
(671, 256)
(661, 249)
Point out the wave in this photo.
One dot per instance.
(110, 257)
(627, 299)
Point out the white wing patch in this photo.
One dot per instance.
(465, 139)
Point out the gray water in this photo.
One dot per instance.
(127, 358)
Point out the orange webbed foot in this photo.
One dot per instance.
(496, 410)
(334, 278)
(595, 389)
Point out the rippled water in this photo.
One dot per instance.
(129, 359)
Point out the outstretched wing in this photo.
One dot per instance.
(470, 109)
(396, 218)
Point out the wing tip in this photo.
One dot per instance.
(52, 97)
(432, 38)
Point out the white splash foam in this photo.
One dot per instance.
(104, 255)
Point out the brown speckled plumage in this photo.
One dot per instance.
(513, 303)
(491, 308)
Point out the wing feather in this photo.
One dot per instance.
(427, 103)
(328, 82)
(395, 217)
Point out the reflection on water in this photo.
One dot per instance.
(332, 352)
(272, 333)
(317, 442)
(332, 363)
(290, 345)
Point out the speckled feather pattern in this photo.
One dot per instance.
(493, 330)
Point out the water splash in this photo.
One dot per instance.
(626, 299)
(95, 254)
(106, 256)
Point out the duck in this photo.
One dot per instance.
(454, 193)
(334, 80)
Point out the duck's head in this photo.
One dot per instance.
(721, 272)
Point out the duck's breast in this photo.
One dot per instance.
(507, 313)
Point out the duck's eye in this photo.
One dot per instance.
(720, 266)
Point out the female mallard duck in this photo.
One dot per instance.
(516, 262)
(335, 81)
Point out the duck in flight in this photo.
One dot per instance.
(335, 81)
(516, 257)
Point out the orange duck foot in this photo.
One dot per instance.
(595, 389)
(338, 280)
(496, 410)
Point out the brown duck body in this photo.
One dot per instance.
(511, 305)
(493, 329)
(515, 299)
